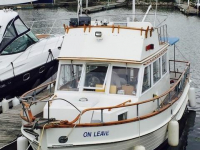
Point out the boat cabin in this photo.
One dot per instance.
(108, 65)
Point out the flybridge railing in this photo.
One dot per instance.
(162, 34)
(163, 102)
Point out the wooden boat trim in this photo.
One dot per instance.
(43, 85)
(41, 36)
(113, 27)
(124, 103)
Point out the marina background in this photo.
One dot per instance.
(179, 25)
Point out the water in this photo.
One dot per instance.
(179, 25)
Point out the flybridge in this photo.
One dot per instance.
(107, 40)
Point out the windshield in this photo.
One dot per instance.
(124, 80)
(9, 35)
(69, 77)
(17, 38)
(19, 45)
(95, 76)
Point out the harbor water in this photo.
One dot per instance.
(187, 28)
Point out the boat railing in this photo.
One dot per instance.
(162, 34)
(162, 102)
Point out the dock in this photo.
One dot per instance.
(10, 126)
(104, 7)
(187, 10)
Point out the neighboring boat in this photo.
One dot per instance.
(25, 60)
(116, 89)
(13, 2)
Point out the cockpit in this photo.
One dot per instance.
(16, 38)
(105, 78)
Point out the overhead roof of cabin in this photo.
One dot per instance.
(115, 44)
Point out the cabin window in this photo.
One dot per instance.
(18, 45)
(147, 78)
(122, 116)
(164, 64)
(156, 71)
(124, 80)
(69, 77)
(95, 77)
(9, 35)
(20, 27)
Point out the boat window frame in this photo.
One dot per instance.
(159, 70)
(151, 82)
(17, 35)
(166, 64)
(58, 77)
(82, 79)
(161, 75)
(125, 66)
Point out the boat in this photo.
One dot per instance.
(14, 2)
(26, 60)
(116, 88)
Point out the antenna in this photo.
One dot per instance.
(146, 13)
(79, 8)
(155, 13)
(133, 9)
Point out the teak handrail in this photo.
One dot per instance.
(43, 85)
(113, 27)
(122, 104)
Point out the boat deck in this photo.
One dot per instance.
(188, 10)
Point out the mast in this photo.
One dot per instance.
(133, 9)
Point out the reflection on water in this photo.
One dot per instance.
(179, 25)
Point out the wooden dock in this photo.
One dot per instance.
(10, 126)
(104, 7)
(188, 10)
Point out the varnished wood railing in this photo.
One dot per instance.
(113, 27)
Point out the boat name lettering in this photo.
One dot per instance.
(96, 134)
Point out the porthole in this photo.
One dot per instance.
(26, 77)
(63, 139)
(42, 69)
(122, 116)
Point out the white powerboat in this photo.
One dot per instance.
(116, 89)
(13, 2)
(25, 60)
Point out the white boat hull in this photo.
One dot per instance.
(150, 132)
(150, 142)
(12, 2)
